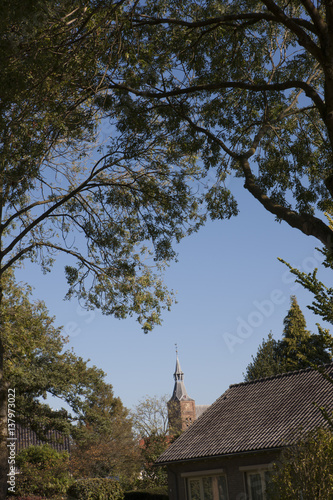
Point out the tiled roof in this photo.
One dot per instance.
(26, 437)
(199, 409)
(258, 415)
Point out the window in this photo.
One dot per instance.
(212, 487)
(256, 483)
(188, 421)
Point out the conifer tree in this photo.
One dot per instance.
(267, 361)
(295, 338)
(298, 348)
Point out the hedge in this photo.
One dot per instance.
(146, 495)
(95, 489)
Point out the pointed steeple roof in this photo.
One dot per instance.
(179, 390)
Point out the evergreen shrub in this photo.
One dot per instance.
(152, 494)
(43, 472)
(95, 489)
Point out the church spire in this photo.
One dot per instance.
(181, 408)
(179, 390)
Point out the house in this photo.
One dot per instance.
(182, 410)
(227, 453)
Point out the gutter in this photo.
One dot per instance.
(225, 455)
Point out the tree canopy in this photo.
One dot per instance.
(247, 87)
(298, 348)
(43, 471)
(267, 362)
(105, 445)
(151, 424)
(107, 203)
(322, 304)
(150, 416)
(305, 469)
(38, 365)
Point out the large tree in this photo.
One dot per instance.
(248, 87)
(267, 362)
(151, 424)
(46, 375)
(244, 86)
(297, 349)
(105, 444)
(113, 204)
(150, 416)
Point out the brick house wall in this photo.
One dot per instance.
(234, 467)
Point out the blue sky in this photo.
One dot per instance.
(231, 291)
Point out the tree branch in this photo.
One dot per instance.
(288, 85)
(317, 19)
(92, 266)
(221, 20)
(23, 211)
(303, 38)
(56, 205)
(308, 224)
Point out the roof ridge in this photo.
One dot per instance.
(281, 375)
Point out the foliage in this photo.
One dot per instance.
(151, 424)
(151, 448)
(305, 470)
(247, 88)
(104, 440)
(38, 365)
(266, 362)
(61, 185)
(151, 494)
(112, 207)
(106, 447)
(150, 416)
(43, 471)
(297, 349)
(323, 295)
(95, 489)
(300, 348)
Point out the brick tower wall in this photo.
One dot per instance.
(187, 413)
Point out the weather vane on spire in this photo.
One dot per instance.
(176, 346)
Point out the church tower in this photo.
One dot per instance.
(181, 408)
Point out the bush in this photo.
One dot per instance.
(305, 470)
(95, 489)
(43, 472)
(152, 494)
